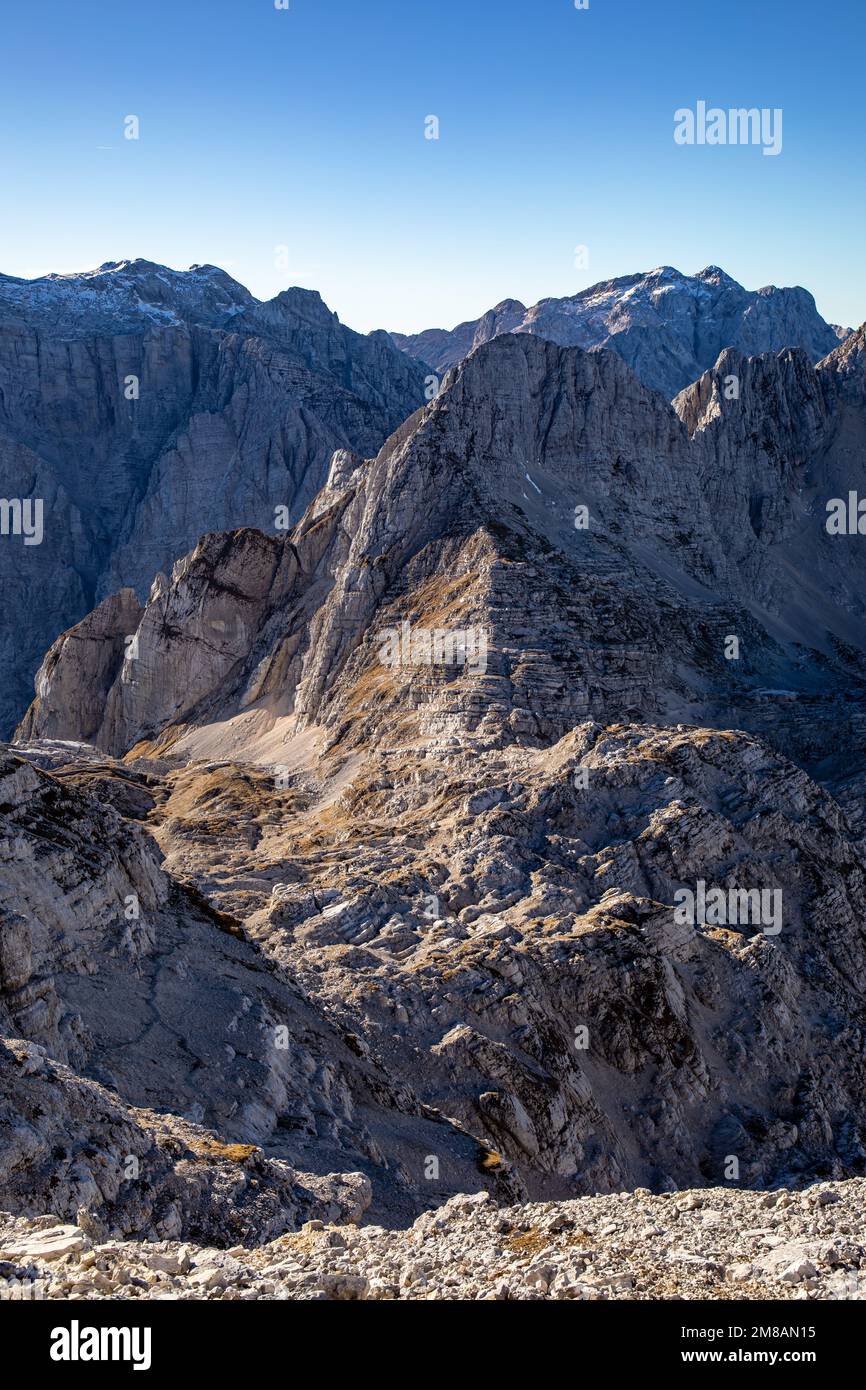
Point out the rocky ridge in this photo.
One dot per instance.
(700, 522)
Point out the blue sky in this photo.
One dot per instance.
(304, 128)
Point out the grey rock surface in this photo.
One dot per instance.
(123, 993)
(702, 522)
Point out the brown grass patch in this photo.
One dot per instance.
(230, 1153)
(489, 1161)
(528, 1242)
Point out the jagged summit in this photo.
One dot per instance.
(714, 275)
(299, 300)
(848, 359)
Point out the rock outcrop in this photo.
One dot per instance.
(123, 992)
(499, 927)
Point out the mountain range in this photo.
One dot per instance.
(668, 327)
(145, 406)
(342, 863)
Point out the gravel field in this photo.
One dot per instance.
(707, 1244)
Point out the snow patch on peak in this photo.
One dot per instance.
(717, 275)
(125, 296)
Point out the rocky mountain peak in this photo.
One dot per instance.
(714, 274)
(848, 360)
(668, 326)
(306, 305)
(124, 297)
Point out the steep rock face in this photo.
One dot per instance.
(82, 665)
(771, 458)
(667, 326)
(144, 407)
(847, 361)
